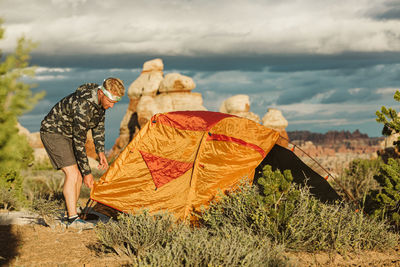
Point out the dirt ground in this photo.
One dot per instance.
(37, 245)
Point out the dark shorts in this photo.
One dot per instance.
(59, 148)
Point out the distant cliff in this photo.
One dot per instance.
(334, 137)
(335, 149)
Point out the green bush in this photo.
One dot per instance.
(41, 165)
(384, 202)
(159, 241)
(11, 190)
(267, 213)
(358, 178)
(134, 234)
(390, 120)
(296, 220)
(48, 185)
(316, 226)
(48, 210)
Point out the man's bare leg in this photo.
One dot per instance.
(72, 182)
(78, 186)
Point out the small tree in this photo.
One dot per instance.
(385, 201)
(15, 99)
(390, 120)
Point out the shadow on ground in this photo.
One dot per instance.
(8, 244)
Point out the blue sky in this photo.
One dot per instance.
(327, 65)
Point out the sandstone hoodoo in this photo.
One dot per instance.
(274, 119)
(239, 105)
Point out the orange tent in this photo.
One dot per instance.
(180, 160)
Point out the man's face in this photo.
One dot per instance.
(105, 101)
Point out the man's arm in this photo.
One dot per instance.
(98, 137)
(98, 134)
(79, 131)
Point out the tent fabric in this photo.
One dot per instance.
(280, 158)
(179, 161)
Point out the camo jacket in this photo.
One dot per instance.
(73, 116)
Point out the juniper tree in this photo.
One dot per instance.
(390, 120)
(16, 98)
(385, 201)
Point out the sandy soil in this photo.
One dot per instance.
(37, 245)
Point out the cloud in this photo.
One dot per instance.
(193, 28)
(390, 10)
(42, 69)
(387, 91)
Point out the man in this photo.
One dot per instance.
(63, 132)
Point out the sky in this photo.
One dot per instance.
(327, 65)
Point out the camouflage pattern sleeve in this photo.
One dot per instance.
(98, 136)
(82, 114)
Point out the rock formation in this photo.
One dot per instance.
(335, 149)
(274, 119)
(239, 105)
(153, 93)
(39, 153)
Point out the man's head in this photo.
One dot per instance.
(111, 92)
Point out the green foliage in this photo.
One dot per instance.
(48, 187)
(159, 241)
(48, 210)
(11, 190)
(15, 99)
(42, 165)
(297, 220)
(316, 226)
(385, 202)
(266, 214)
(358, 178)
(134, 234)
(389, 118)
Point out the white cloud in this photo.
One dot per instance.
(194, 27)
(41, 69)
(48, 77)
(387, 91)
(354, 91)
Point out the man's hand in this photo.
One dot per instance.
(88, 180)
(103, 161)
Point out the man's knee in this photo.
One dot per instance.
(72, 174)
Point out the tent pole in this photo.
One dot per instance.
(329, 174)
(86, 209)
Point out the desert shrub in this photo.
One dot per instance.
(385, 202)
(48, 209)
(159, 241)
(296, 219)
(134, 234)
(41, 165)
(358, 178)
(48, 185)
(265, 210)
(230, 246)
(11, 190)
(317, 226)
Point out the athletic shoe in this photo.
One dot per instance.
(80, 224)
